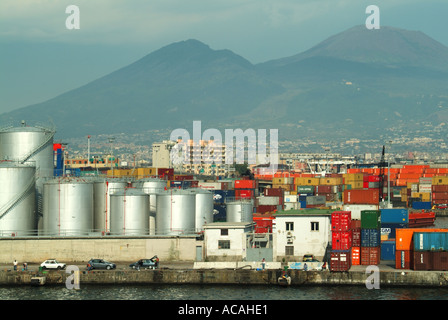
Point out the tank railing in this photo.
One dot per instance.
(239, 199)
(81, 233)
(39, 147)
(15, 201)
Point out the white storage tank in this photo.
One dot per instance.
(129, 212)
(67, 207)
(151, 186)
(204, 208)
(17, 199)
(176, 212)
(103, 189)
(240, 211)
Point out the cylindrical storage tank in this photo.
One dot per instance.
(204, 208)
(30, 145)
(67, 207)
(176, 212)
(103, 189)
(129, 212)
(17, 199)
(240, 211)
(151, 186)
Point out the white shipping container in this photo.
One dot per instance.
(425, 188)
(291, 198)
(292, 205)
(210, 185)
(356, 209)
(268, 201)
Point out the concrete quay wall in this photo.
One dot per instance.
(228, 277)
(71, 250)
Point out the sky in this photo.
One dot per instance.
(40, 58)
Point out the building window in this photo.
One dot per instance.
(289, 226)
(224, 244)
(224, 232)
(314, 226)
(289, 250)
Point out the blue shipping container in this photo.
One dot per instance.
(388, 250)
(370, 237)
(219, 196)
(219, 213)
(422, 205)
(390, 228)
(302, 204)
(430, 241)
(394, 216)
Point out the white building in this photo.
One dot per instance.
(226, 241)
(300, 232)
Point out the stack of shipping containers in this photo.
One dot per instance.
(341, 244)
(439, 191)
(430, 251)
(370, 237)
(246, 189)
(404, 245)
(391, 219)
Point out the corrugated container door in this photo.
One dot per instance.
(370, 255)
(422, 260)
(340, 261)
(440, 260)
(356, 256)
(403, 259)
(356, 237)
(388, 250)
(370, 219)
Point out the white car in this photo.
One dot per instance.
(52, 264)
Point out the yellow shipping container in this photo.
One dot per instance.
(353, 177)
(425, 196)
(356, 184)
(141, 172)
(284, 180)
(302, 181)
(334, 181)
(440, 180)
(287, 187)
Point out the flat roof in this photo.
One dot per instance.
(304, 212)
(228, 225)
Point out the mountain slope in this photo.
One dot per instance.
(358, 82)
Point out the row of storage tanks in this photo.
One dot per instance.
(34, 202)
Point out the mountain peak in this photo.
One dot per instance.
(387, 46)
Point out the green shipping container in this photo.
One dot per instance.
(370, 219)
(305, 189)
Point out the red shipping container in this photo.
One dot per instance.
(356, 237)
(440, 260)
(341, 220)
(422, 260)
(340, 260)
(245, 184)
(361, 196)
(341, 240)
(370, 256)
(263, 223)
(440, 195)
(356, 224)
(403, 259)
(324, 189)
(274, 192)
(266, 208)
(439, 188)
(243, 194)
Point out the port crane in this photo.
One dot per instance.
(382, 165)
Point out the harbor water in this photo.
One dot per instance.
(223, 292)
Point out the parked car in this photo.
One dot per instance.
(145, 263)
(52, 264)
(101, 264)
(309, 258)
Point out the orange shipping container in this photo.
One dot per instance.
(404, 236)
(356, 256)
(361, 196)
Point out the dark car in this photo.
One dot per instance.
(309, 258)
(101, 264)
(146, 263)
